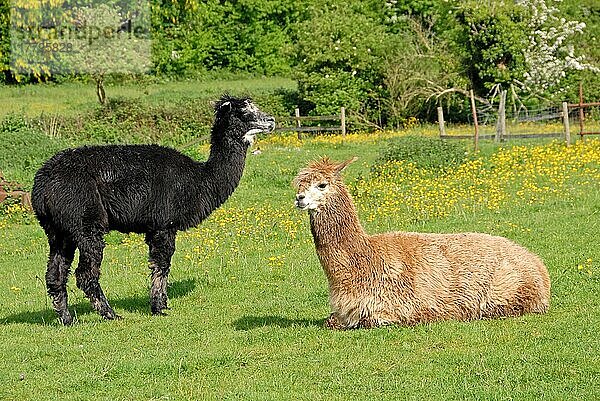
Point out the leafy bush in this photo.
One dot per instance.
(172, 122)
(340, 56)
(281, 102)
(24, 149)
(4, 37)
(13, 123)
(249, 36)
(416, 72)
(492, 40)
(130, 120)
(425, 152)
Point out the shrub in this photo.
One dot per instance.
(13, 123)
(24, 149)
(175, 122)
(4, 38)
(424, 152)
(340, 55)
(194, 37)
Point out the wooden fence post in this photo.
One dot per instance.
(581, 115)
(565, 113)
(298, 124)
(501, 125)
(440, 112)
(343, 120)
(474, 111)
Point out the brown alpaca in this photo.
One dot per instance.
(410, 278)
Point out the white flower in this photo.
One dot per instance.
(546, 55)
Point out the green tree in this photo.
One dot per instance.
(550, 52)
(491, 37)
(110, 45)
(416, 72)
(249, 35)
(526, 45)
(4, 39)
(340, 55)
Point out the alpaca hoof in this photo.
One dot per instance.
(332, 323)
(111, 315)
(66, 319)
(159, 310)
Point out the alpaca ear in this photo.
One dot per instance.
(340, 167)
(222, 104)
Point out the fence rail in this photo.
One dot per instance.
(581, 106)
(310, 118)
(495, 124)
(506, 137)
(299, 128)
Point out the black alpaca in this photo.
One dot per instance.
(81, 194)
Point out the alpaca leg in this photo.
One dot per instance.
(88, 274)
(161, 247)
(61, 256)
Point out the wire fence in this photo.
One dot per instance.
(537, 122)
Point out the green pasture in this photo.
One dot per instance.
(72, 98)
(248, 300)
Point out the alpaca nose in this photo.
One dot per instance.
(299, 197)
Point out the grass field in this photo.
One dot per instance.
(73, 98)
(248, 295)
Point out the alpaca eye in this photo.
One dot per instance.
(322, 185)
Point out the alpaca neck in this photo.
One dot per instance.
(336, 225)
(223, 171)
(218, 177)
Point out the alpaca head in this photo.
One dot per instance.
(318, 182)
(239, 120)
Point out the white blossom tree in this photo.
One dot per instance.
(550, 52)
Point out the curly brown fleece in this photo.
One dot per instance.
(410, 278)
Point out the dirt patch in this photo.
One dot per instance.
(11, 190)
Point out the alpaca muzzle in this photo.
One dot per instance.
(269, 124)
(301, 202)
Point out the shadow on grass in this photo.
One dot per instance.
(136, 304)
(253, 322)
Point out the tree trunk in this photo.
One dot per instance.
(100, 89)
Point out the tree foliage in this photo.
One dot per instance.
(250, 36)
(492, 41)
(385, 61)
(340, 57)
